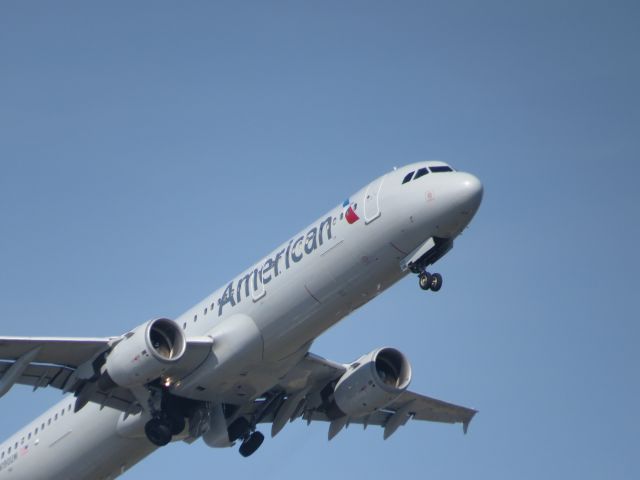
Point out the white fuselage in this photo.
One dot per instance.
(291, 296)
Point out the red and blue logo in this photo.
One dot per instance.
(350, 214)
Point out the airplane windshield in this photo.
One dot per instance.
(423, 171)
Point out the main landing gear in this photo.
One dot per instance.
(167, 417)
(251, 440)
(430, 281)
(159, 430)
(251, 444)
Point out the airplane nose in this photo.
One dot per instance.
(469, 192)
(465, 197)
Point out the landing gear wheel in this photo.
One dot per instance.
(158, 432)
(251, 444)
(436, 282)
(425, 280)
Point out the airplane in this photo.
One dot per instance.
(240, 358)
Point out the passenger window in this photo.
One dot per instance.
(420, 173)
(407, 177)
(205, 310)
(55, 417)
(29, 436)
(49, 422)
(62, 412)
(195, 318)
(184, 325)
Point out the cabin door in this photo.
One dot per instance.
(372, 201)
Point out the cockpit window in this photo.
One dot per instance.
(420, 173)
(408, 177)
(440, 169)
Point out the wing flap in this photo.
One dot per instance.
(38, 376)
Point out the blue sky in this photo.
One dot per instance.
(150, 152)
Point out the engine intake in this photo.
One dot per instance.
(145, 353)
(372, 382)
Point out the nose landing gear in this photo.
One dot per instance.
(427, 254)
(430, 281)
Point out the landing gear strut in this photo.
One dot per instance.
(430, 281)
(436, 248)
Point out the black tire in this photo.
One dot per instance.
(251, 444)
(436, 282)
(158, 432)
(425, 280)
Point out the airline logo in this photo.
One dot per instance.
(350, 214)
(276, 264)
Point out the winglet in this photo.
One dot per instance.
(465, 423)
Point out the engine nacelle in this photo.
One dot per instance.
(145, 353)
(372, 382)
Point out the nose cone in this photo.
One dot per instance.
(469, 193)
(464, 194)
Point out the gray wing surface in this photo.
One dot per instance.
(57, 362)
(300, 395)
(70, 352)
(66, 364)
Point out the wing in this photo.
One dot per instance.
(69, 364)
(305, 392)
(70, 352)
(409, 406)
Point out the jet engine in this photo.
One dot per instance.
(145, 353)
(372, 382)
